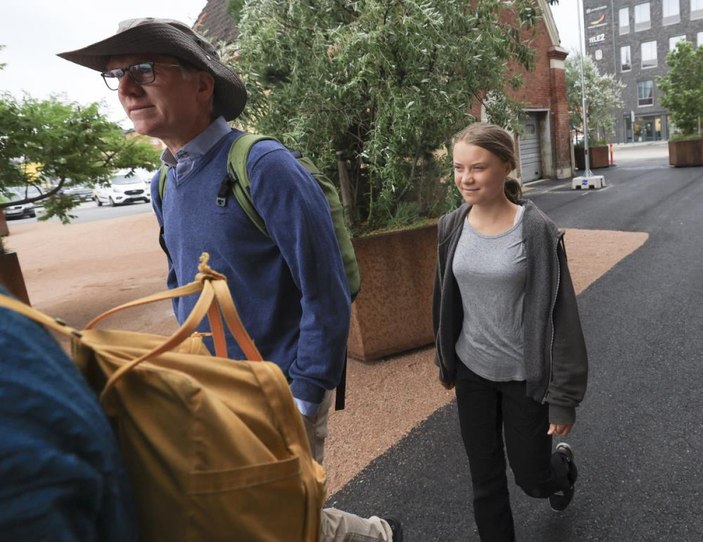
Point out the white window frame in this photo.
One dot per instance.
(648, 61)
(643, 17)
(696, 9)
(650, 98)
(699, 39)
(624, 17)
(671, 12)
(673, 40)
(625, 54)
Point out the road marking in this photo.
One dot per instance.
(639, 168)
(564, 189)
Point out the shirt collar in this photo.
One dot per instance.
(200, 144)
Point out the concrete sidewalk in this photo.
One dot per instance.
(75, 272)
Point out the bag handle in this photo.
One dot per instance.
(181, 334)
(234, 322)
(224, 302)
(187, 289)
(218, 332)
(55, 324)
(214, 294)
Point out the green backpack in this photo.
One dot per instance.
(240, 185)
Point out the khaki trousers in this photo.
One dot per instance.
(336, 525)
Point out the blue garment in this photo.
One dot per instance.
(290, 289)
(195, 149)
(61, 478)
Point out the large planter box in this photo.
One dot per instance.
(393, 311)
(11, 276)
(599, 157)
(686, 153)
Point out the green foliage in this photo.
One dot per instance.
(234, 9)
(603, 98)
(384, 82)
(52, 145)
(682, 88)
(685, 137)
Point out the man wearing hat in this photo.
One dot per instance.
(290, 288)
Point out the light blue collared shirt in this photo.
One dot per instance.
(306, 408)
(186, 157)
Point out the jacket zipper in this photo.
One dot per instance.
(551, 319)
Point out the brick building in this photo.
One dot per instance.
(630, 39)
(544, 145)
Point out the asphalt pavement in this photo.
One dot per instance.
(639, 436)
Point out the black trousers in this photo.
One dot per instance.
(487, 411)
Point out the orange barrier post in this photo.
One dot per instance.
(612, 157)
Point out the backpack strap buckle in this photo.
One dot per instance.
(224, 190)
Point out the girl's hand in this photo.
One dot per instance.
(560, 429)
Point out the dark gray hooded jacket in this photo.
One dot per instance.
(556, 362)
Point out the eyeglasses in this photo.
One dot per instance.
(142, 74)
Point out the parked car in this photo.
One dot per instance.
(23, 210)
(20, 210)
(79, 192)
(122, 190)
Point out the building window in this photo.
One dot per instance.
(624, 21)
(642, 20)
(674, 40)
(649, 54)
(645, 93)
(670, 12)
(625, 59)
(699, 39)
(696, 9)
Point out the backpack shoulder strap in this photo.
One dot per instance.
(237, 169)
(163, 171)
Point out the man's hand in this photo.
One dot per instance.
(560, 429)
(446, 385)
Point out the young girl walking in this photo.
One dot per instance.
(508, 333)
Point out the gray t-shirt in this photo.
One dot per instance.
(491, 271)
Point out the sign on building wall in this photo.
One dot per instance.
(596, 25)
(597, 33)
(596, 17)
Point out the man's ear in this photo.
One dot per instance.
(206, 84)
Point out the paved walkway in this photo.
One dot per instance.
(78, 271)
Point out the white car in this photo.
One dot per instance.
(20, 210)
(24, 210)
(122, 190)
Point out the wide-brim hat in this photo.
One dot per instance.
(172, 38)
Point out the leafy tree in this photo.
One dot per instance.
(603, 97)
(46, 143)
(682, 88)
(384, 83)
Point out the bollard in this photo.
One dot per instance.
(612, 157)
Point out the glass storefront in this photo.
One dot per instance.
(645, 128)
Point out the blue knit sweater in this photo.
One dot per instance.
(290, 289)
